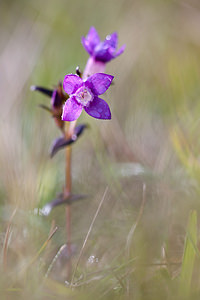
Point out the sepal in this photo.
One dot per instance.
(60, 200)
(62, 142)
(43, 90)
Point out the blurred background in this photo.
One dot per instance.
(146, 157)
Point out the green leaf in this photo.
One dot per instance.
(190, 252)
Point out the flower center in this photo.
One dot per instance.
(84, 95)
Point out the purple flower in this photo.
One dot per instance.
(101, 51)
(57, 100)
(84, 95)
(57, 97)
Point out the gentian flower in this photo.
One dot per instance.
(100, 52)
(84, 95)
(57, 97)
(57, 100)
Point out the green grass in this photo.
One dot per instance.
(144, 242)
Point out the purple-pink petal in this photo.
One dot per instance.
(98, 109)
(86, 45)
(71, 110)
(120, 51)
(91, 40)
(93, 37)
(112, 40)
(99, 83)
(104, 53)
(71, 83)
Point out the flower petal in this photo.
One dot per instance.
(93, 36)
(106, 50)
(98, 109)
(120, 51)
(71, 83)
(56, 100)
(99, 83)
(87, 45)
(91, 41)
(103, 53)
(112, 40)
(71, 110)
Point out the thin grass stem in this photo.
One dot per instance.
(87, 235)
(5, 244)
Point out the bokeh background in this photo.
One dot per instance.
(146, 158)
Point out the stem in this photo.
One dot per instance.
(69, 130)
(93, 67)
(67, 192)
(68, 180)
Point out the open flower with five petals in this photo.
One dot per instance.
(84, 94)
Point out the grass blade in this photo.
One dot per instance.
(188, 256)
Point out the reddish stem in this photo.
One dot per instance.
(67, 192)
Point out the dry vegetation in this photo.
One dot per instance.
(146, 159)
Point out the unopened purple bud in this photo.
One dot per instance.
(57, 100)
(58, 97)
